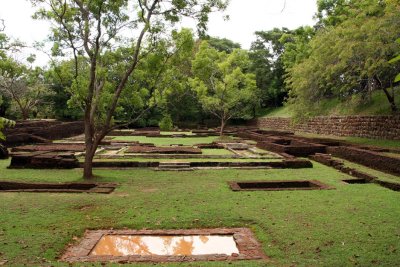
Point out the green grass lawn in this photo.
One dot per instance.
(163, 141)
(352, 225)
(374, 142)
(217, 152)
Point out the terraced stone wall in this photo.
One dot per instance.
(378, 127)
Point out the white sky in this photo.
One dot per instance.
(246, 17)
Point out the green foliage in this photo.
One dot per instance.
(346, 59)
(4, 123)
(60, 77)
(160, 82)
(222, 83)
(97, 32)
(334, 12)
(25, 87)
(166, 123)
(296, 46)
(394, 60)
(267, 60)
(222, 44)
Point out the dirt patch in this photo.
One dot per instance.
(277, 185)
(103, 188)
(164, 150)
(247, 246)
(149, 190)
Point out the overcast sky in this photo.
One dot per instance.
(246, 17)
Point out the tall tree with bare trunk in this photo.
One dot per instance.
(91, 29)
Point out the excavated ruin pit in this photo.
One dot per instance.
(102, 188)
(356, 181)
(123, 246)
(277, 185)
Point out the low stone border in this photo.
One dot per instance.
(44, 160)
(249, 248)
(314, 185)
(327, 160)
(367, 158)
(53, 147)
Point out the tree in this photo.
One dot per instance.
(332, 12)
(394, 60)
(222, 44)
(59, 77)
(223, 84)
(349, 58)
(6, 43)
(92, 29)
(24, 86)
(4, 123)
(159, 83)
(266, 63)
(296, 46)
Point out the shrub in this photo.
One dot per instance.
(166, 123)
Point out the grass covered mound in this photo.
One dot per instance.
(354, 224)
(377, 104)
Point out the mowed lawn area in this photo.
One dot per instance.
(351, 225)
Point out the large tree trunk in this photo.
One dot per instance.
(25, 115)
(223, 123)
(90, 148)
(88, 165)
(390, 98)
(24, 111)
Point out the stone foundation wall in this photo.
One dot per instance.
(379, 127)
(41, 131)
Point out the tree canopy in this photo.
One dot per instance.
(105, 58)
(224, 86)
(348, 58)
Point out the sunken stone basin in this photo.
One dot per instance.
(123, 246)
(102, 188)
(277, 185)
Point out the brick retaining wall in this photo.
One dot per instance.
(379, 127)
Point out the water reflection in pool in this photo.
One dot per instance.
(124, 245)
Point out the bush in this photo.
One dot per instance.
(3, 124)
(166, 123)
